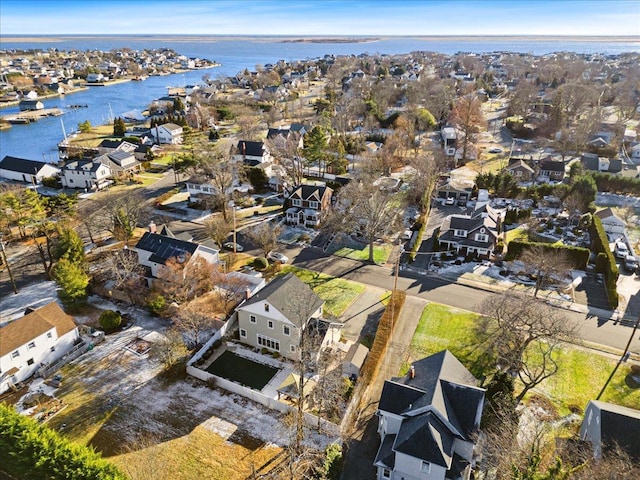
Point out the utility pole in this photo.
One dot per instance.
(623, 358)
(6, 262)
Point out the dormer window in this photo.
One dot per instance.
(460, 233)
(296, 202)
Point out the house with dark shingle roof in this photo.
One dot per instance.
(275, 317)
(428, 420)
(40, 337)
(85, 174)
(154, 250)
(606, 425)
(472, 234)
(251, 153)
(28, 171)
(120, 162)
(551, 170)
(309, 203)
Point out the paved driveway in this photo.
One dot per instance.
(361, 318)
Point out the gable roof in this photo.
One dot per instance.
(552, 166)
(39, 321)
(438, 404)
(286, 293)
(519, 164)
(608, 213)
(170, 127)
(310, 192)
(619, 425)
(21, 165)
(163, 248)
(254, 149)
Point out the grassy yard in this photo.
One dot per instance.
(516, 234)
(581, 375)
(345, 246)
(337, 293)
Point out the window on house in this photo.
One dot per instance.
(296, 202)
(49, 335)
(270, 324)
(286, 330)
(243, 333)
(292, 348)
(460, 233)
(252, 319)
(386, 473)
(313, 205)
(426, 467)
(518, 173)
(31, 345)
(481, 238)
(53, 349)
(266, 307)
(15, 354)
(269, 343)
(30, 361)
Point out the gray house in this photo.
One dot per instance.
(275, 317)
(605, 425)
(428, 420)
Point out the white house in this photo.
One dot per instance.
(252, 153)
(28, 171)
(85, 174)
(610, 221)
(168, 133)
(428, 420)
(40, 337)
(154, 250)
(275, 317)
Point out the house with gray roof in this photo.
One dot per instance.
(428, 420)
(120, 162)
(472, 234)
(606, 426)
(252, 153)
(309, 203)
(155, 250)
(85, 174)
(28, 171)
(275, 318)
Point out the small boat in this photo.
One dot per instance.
(77, 106)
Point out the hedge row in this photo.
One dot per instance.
(578, 256)
(605, 262)
(29, 450)
(383, 335)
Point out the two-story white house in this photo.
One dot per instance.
(428, 420)
(28, 171)
(85, 174)
(120, 162)
(309, 203)
(472, 234)
(275, 317)
(168, 133)
(154, 250)
(38, 338)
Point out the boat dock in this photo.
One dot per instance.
(24, 118)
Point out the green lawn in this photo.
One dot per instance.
(337, 293)
(581, 375)
(345, 246)
(516, 234)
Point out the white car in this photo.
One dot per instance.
(620, 250)
(450, 201)
(277, 257)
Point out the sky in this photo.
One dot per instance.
(321, 17)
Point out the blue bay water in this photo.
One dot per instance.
(39, 140)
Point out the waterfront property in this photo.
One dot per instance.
(28, 171)
(85, 174)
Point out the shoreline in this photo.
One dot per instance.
(15, 103)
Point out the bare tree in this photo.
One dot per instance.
(288, 154)
(523, 334)
(193, 321)
(183, 278)
(265, 236)
(126, 272)
(467, 116)
(545, 264)
(365, 207)
(218, 229)
(171, 349)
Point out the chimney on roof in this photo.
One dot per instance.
(412, 372)
(247, 293)
(152, 228)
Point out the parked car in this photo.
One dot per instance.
(229, 246)
(495, 150)
(277, 257)
(630, 263)
(407, 234)
(450, 201)
(620, 250)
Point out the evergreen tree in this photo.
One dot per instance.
(73, 283)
